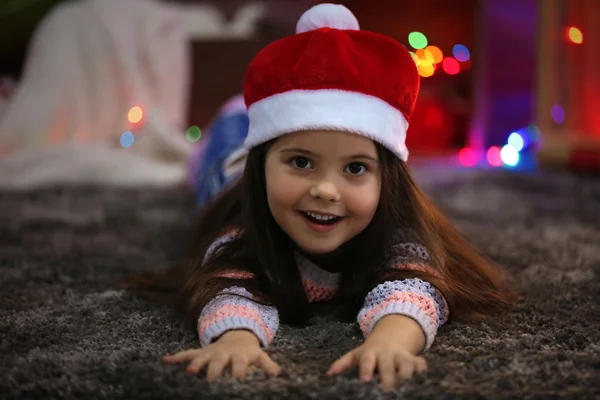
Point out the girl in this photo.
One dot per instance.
(326, 210)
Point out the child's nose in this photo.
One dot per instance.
(325, 190)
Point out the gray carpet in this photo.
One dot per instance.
(66, 333)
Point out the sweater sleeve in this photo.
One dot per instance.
(414, 298)
(236, 308)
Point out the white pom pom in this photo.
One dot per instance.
(333, 16)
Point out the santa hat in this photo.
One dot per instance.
(331, 75)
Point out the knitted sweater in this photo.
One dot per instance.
(233, 308)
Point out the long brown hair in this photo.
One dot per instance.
(474, 288)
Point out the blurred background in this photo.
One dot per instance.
(505, 83)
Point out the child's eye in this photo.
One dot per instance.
(301, 162)
(356, 168)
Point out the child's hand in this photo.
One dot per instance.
(236, 348)
(389, 360)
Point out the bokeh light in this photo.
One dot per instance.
(436, 54)
(493, 156)
(516, 141)
(425, 55)
(135, 114)
(127, 139)
(467, 157)
(461, 53)
(509, 155)
(193, 134)
(417, 40)
(425, 69)
(574, 35)
(557, 113)
(451, 66)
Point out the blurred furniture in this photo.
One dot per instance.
(218, 66)
(568, 85)
(99, 76)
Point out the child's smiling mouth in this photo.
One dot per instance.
(320, 222)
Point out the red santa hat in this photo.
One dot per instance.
(331, 75)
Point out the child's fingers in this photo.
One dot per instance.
(386, 366)
(405, 370)
(186, 355)
(367, 365)
(420, 365)
(268, 365)
(239, 367)
(341, 364)
(198, 363)
(216, 367)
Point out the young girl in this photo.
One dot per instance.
(326, 210)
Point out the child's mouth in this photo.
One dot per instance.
(320, 223)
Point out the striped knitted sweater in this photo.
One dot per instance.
(233, 308)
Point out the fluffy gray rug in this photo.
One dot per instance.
(67, 333)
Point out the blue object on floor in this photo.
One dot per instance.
(224, 137)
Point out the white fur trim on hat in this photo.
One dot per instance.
(334, 16)
(328, 109)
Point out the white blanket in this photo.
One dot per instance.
(88, 64)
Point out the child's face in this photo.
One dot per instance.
(323, 172)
